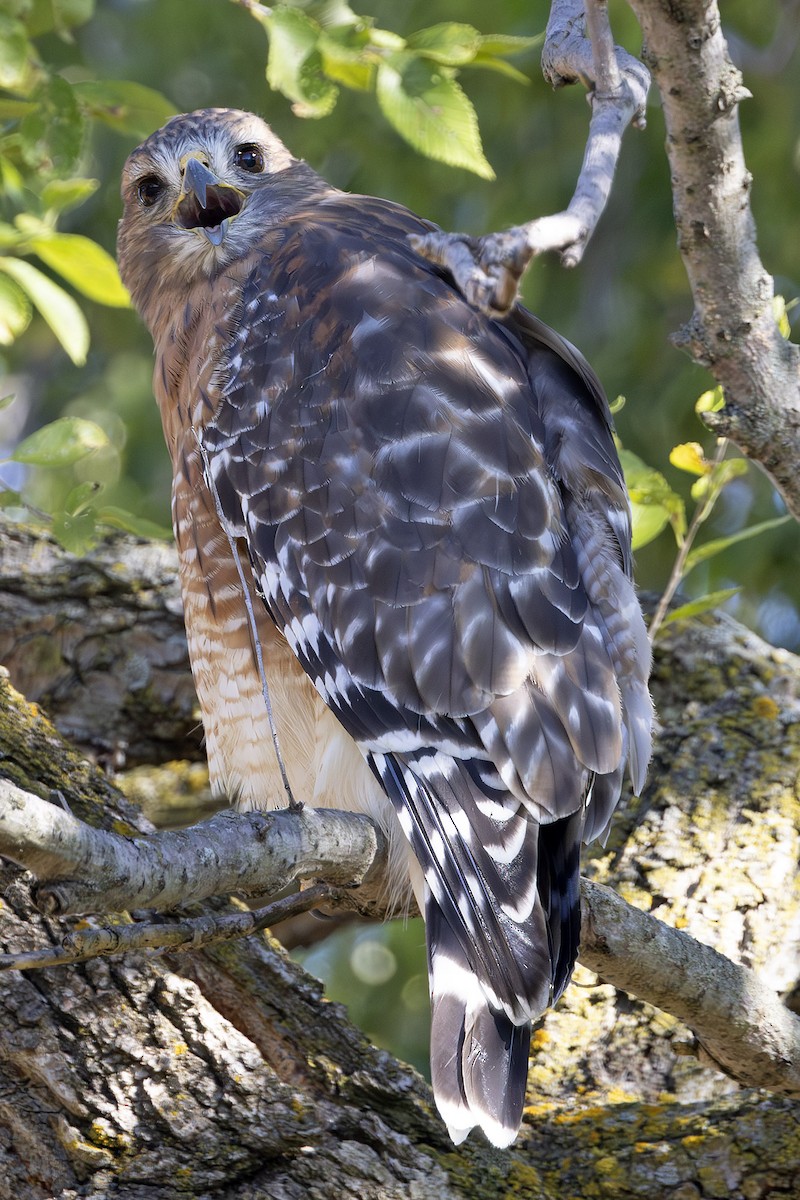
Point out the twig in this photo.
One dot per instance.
(191, 933)
(701, 513)
(607, 77)
(487, 270)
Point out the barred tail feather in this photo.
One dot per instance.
(502, 913)
(479, 1058)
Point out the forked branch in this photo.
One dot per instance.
(740, 1024)
(488, 269)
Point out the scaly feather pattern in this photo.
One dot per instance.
(433, 515)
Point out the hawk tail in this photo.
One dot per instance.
(502, 915)
(479, 1057)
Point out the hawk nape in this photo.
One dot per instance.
(405, 557)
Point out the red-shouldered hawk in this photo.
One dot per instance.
(405, 556)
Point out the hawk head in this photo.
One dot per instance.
(197, 195)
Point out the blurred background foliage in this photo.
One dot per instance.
(67, 119)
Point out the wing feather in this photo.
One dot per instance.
(437, 519)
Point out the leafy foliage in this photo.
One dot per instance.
(316, 48)
(43, 126)
(77, 521)
(44, 121)
(654, 505)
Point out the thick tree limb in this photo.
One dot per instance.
(712, 847)
(739, 1021)
(87, 870)
(100, 642)
(228, 1073)
(733, 331)
(488, 269)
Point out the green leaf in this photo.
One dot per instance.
(77, 533)
(13, 110)
(11, 181)
(711, 401)
(345, 57)
(690, 457)
(617, 405)
(78, 499)
(61, 194)
(61, 443)
(9, 236)
(647, 522)
(294, 63)
(7, 401)
(501, 44)
(490, 63)
(332, 13)
(125, 106)
(700, 605)
(15, 53)
(385, 39)
(429, 109)
(84, 264)
(15, 311)
(52, 136)
(654, 504)
(781, 316)
(448, 43)
(710, 549)
(58, 308)
(720, 475)
(59, 15)
(119, 518)
(9, 498)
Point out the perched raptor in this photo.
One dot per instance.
(405, 557)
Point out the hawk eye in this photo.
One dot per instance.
(249, 158)
(149, 190)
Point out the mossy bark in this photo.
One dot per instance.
(227, 1073)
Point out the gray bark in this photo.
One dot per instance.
(99, 641)
(226, 1072)
(733, 330)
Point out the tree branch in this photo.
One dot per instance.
(87, 870)
(743, 1028)
(99, 641)
(711, 847)
(189, 933)
(488, 269)
(740, 1023)
(733, 331)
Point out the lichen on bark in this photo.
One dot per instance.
(228, 1073)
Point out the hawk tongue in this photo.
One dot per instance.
(215, 233)
(206, 202)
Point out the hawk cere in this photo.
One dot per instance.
(405, 557)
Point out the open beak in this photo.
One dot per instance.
(206, 203)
